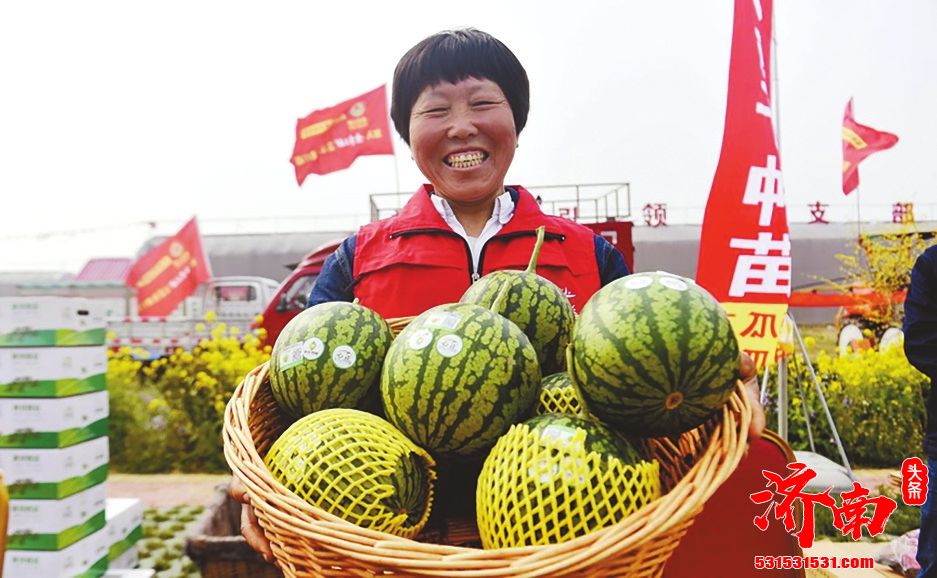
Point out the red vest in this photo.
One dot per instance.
(413, 261)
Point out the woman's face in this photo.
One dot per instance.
(462, 137)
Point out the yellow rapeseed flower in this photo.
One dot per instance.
(156, 404)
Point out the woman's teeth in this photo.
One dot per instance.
(465, 160)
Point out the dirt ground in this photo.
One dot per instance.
(166, 490)
(873, 478)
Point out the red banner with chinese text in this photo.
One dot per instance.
(169, 272)
(860, 141)
(745, 248)
(332, 138)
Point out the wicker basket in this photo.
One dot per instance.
(307, 541)
(217, 546)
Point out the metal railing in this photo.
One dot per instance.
(585, 202)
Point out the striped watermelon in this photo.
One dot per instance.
(598, 439)
(457, 377)
(559, 395)
(535, 304)
(556, 477)
(357, 466)
(328, 356)
(654, 354)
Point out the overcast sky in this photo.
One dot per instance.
(118, 113)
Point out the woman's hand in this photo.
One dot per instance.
(250, 529)
(748, 373)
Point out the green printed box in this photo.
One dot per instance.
(86, 558)
(52, 423)
(124, 526)
(56, 524)
(52, 371)
(53, 474)
(51, 322)
(129, 559)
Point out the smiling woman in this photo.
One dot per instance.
(460, 100)
(463, 138)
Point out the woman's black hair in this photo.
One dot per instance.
(452, 56)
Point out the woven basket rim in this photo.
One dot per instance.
(673, 511)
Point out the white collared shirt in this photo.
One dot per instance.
(502, 212)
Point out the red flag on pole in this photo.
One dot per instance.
(332, 138)
(860, 141)
(169, 272)
(745, 248)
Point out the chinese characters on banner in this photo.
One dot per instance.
(745, 247)
(902, 213)
(331, 139)
(169, 272)
(655, 215)
(818, 212)
(860, 141)
(849, 516)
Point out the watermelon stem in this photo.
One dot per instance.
(501, 298)
(583, 410)
(535, 255)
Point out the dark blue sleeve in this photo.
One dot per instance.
(335, 279)
(610, 261)
(920, 315)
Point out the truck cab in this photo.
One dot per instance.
(235, 300)
(291, 296)
(235, 297)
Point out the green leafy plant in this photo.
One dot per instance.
(166, 413)
(882, 263)
(876, 398)
(166, 554)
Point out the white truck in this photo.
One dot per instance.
(236, 301)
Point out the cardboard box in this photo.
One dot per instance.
(52, 371)
(51, 321)
(125, 572)
(124, 526)
(53, 474)
(84, 559)
(52, 422)
(125, 561)
(56, 524)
